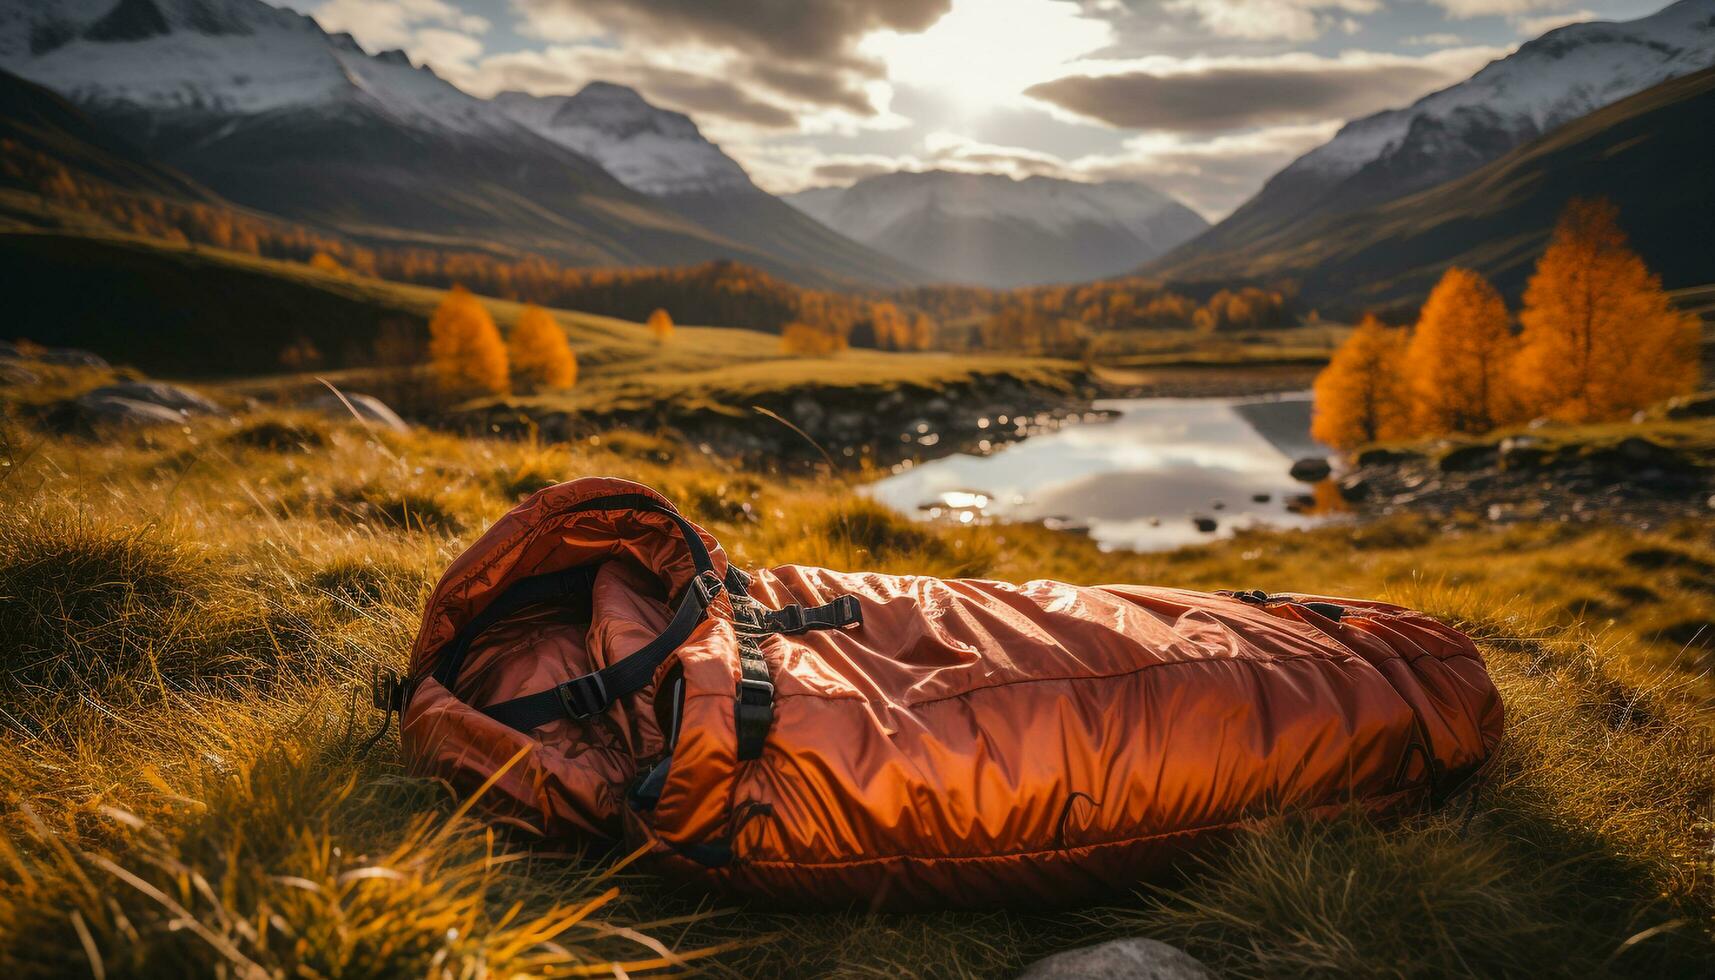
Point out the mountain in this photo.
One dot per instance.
(992, 230)
(1561, 76)
(36, 121)
(1647, 153)
(271, 112)
(662, 154)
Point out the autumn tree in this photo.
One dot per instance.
(1459, 362)
(1600, 339)
(660, 326)
(323, 262)
(1361, 395)
(540, 356)
(464, 346)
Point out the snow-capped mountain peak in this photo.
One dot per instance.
(650, 149)
(1560, 76)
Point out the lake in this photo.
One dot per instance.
(1140, 479)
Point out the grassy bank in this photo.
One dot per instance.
(188, 616)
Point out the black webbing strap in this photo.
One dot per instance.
(793, 619)
(592, 693)
(570, 585)
(753, 712)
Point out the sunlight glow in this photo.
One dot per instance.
(983, 53)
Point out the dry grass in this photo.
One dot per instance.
(185, 616)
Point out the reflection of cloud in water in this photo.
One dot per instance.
(1137, 479)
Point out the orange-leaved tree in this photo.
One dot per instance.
(807, 341)
(660, 326)
(1361, 395)
(1460, 359)
(1601, 339)
(541, 358)
(464, 346)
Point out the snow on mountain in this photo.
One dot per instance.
(1567, 73)
(220, 57)
(652, 150)
(992, 229)
(1563, 75)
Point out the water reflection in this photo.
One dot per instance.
(1164, 472)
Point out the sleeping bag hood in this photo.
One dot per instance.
(811, 736)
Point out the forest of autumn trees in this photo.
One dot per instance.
(1597, 339)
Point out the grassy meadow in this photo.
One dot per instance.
(190, 618)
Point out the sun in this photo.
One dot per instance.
(984, 53)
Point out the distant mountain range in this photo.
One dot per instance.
(992, 230)
(271, 112)
(1560, 77)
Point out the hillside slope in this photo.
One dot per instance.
(36, 120)
(1550, 81)
(1647, 153)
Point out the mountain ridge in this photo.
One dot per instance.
(1552, 80)
(993, 230)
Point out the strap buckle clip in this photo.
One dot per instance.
(583, 696)
(790, 619)
(753, 716)
(705, 587)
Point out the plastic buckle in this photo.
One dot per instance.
(583, 696)
(385, 690)
(706, 586)
(790, 619)
(753, 716)
(848, 611)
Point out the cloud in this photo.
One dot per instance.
(381, 24)
(563, 69)
(1270, 20)
(1442, 40)
(1538, 26)
(1211, 95)
(1514, 9)
(794, 30)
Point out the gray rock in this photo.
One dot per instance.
(160, 393)
(1205, 524)
(71, 357)
(368, 407)
(1121, 959)
(1522, 452)
(1354, 489)
(1698, 406)
(1311, 469)
(110, 410)
(1468, 459)
(1386, 457)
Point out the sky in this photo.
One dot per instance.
(1202, 99)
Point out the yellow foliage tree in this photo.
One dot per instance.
(1460, 357)
(323, 262)
(464, 346)
(807, 341)
(661, 326)
(541, 358)
(1601, 339)
(1361, 395)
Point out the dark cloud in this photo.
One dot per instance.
(1242, 94)
(700, 95)
(845, 172)
(810, 84)
(796, 30)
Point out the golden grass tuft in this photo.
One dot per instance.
(186, 619)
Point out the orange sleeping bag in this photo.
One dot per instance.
(806, 735)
